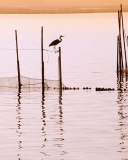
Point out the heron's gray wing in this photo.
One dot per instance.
(55, 42)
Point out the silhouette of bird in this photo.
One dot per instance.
(55, 42)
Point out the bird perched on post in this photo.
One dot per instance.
(55, 42)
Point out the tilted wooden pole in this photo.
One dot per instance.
(117, 54)
(42, 60)
(120, 45)
(18, 65)
(123, 37)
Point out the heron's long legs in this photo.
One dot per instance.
(55, 49)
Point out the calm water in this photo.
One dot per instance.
(75, 124)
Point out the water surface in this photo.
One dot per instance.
(75, 124)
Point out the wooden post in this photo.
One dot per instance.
(42, 60)
(18, 65)
(120, 64)
(117, 54)
(123, 37)
(59, 69)
(120, 45)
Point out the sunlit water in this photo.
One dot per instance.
(75, 124)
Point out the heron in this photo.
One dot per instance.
(55, 42)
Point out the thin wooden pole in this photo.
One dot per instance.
(120, 45)
(117, 54)
(18, 64)
(120, 62)
(123, 37)
(42, 60)
(59, 68)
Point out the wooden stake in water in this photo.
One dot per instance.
(120, 45)
(117, 54)
(60, 70)
(42, 60)
(18, 64)
(123, 37)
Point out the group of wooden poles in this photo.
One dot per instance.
(42, 63)
(122, 68)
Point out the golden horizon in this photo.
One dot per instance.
(64, 3)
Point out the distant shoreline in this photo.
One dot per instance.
(74, 10)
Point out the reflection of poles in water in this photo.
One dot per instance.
(61, 120)
(18, 109)
(60, 110)
(60, 96)
(122, 122)
(43, 123)
(119, 83)
(122, 84)
(61, 123)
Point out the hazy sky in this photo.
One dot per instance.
(55, 3)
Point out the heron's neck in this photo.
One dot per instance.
(60, 39)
